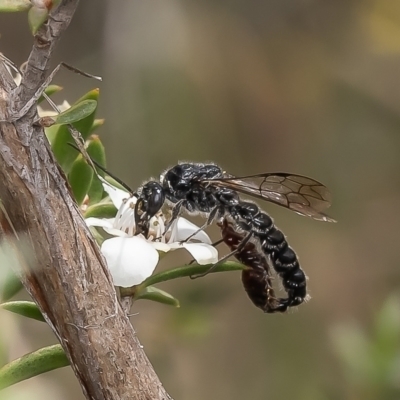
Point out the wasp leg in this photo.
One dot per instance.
(224, 258)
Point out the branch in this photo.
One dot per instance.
(61, 265)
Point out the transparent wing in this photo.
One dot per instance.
(304, 195)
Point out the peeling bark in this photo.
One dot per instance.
(61, 265)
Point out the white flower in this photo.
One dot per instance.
(132, 258)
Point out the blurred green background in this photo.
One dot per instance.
(306, 86)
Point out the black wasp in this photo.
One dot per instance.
(208, 190)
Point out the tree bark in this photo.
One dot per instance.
(60, 264)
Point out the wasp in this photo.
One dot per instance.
(205, 189)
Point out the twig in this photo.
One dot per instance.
(60, 264)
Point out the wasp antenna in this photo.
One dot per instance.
(120, 181)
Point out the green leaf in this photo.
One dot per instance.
(101, 210)
(36, 18)
(25, 308)
(91, 95)
(77, 112)
(80, 178)
(97, 152)
(97, 123)
(65, 154)
(59, 138)
(14, 5)
(96, 191)
(11, 285)
(158, 295)
(85, 125)
(97, 236)
(52, 132)
(9, 262)
(33, 364)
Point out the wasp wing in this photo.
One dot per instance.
(304, 195)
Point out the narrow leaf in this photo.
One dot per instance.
(9, 262)
(77, 112)
(189, 270)
(101, 210)
(25, 308)
(80, 178)
(36, 18)
(64, 154)
(85, 125)
(59, 138)
(158, 295)
(97, 123)
(33, 364)
(51, 133)
(11, 285)
(97, 152)
(14, 5)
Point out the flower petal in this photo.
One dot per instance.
(117, 196)
(64, 106)
(102, 222)
(160, 246)
(107, 224)
(181, 229)
(203, 253)
(130, 260)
